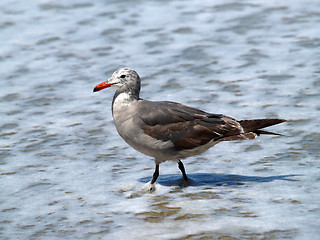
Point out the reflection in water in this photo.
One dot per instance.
(206, 179)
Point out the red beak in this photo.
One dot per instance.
(102, 85)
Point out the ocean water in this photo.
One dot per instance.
(66, 174)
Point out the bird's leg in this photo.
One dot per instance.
(155, 174)
(181, 167)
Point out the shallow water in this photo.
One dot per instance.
(65, 172)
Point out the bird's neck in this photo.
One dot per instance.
(124, 98)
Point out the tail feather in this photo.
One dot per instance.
(259, 132)
(256, 124)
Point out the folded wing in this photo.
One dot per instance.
(185, 126)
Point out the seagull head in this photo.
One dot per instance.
(124, 79)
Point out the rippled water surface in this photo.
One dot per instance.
(66, 174)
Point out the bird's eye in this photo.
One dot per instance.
(122, 76)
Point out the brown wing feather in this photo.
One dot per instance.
(187, 127)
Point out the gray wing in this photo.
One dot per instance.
(185, 126)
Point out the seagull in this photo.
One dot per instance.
(168, 130)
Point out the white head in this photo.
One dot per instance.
(124, 79)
